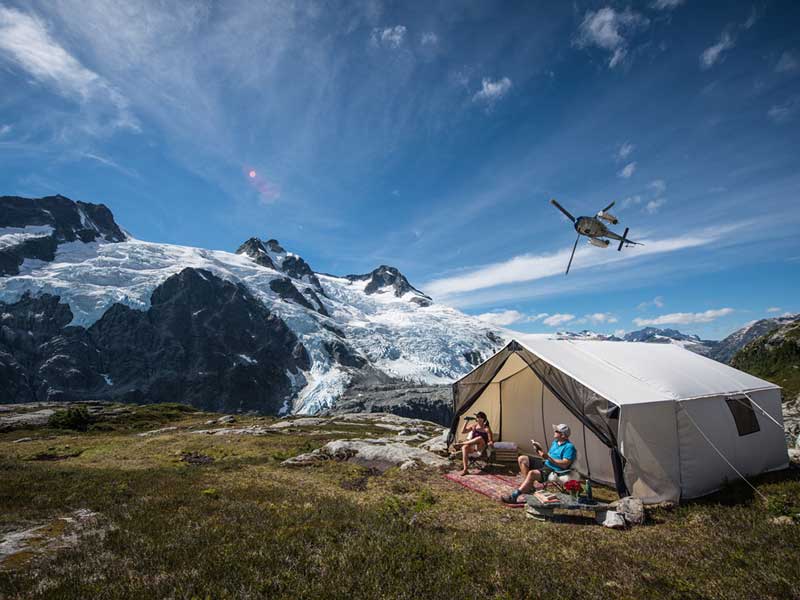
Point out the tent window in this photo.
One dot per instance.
(744, 415)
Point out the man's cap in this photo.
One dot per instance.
(562, 428)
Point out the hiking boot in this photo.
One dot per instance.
(509, 499)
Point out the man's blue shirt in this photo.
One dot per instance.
(561, 452)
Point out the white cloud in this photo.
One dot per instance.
(655, 205)
(501, 318)
(625, 150)
(751, 20)
(619, 332)
(602, 318)
(658, 302)
(528, 267)
(774, 309)
(391, 37)
(786, 63)
(659, 186)
(630, 201)
(492, 91)
(429, 38)
(558, 319)
(713, 54)
(607, 28)
(781, 113)
(110, 163)
(666, 4)
(627, 170)
(26, 42)
(5, 128)
(684, 318)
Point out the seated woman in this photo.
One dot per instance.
(479, 437)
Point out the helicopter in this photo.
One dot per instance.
(595, 230)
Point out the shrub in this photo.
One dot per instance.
(75, 417)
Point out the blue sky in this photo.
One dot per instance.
(431, 136)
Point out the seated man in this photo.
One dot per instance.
(558, 459)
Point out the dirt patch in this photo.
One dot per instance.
(358, 481)
(53, 454)
(195, 458)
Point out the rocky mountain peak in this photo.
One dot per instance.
(272, 255)
(254, 248)
(274, 246)
(34, 228)
(385, 277)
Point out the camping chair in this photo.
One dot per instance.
(479, 460)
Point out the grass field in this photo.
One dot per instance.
(242, 526)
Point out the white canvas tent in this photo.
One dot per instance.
(655, 420)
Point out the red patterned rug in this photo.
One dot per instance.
(489, 485)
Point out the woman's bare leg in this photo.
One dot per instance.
(466, 449)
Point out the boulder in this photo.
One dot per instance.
(632, 510)
(380, 454)
(436, 444)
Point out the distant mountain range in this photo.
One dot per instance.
(721, 350)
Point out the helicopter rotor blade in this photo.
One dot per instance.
(563, 210)
(571, 256)
(609, 206)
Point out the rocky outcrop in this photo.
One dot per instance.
(58, 220)
(204, 341)
(286, 290)
(429, 402)
(380, 454)
(272, 255)
(344, 354)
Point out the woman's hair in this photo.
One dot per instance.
(482, 415)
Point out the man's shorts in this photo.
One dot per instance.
(536, 463)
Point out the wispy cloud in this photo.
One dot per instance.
(627, 170)
(600, 318)
(787, 63)
(774, 309)
(659, 186)
(684, 318)
(26, 43)
(528, 267)
(658, 302)
(5, 128)
(781, 113)
(501, 318)
(558, 319)
(666, 4)
(713, 54)
(111, 164)
(607, 28)
(624, 151)
(655, 205)
(391, 37)
(429, 38)
(492, 91)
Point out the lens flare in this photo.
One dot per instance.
(252, 174)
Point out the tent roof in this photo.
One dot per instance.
(638, 372)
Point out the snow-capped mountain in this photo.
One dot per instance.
(672, 336)
(142, 321)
